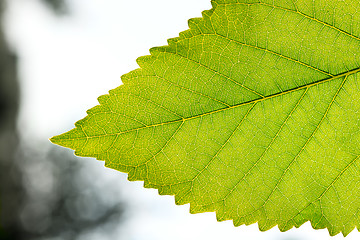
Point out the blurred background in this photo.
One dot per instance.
(56, 58)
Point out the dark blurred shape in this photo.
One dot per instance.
(63, 199)
(46, 194)
(58, 6)
(56, 197)
(11, 191)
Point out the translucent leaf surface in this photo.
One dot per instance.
(252, 113)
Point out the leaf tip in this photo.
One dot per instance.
(53, 139)
(58, 139)
(69, 139)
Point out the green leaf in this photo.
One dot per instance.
(252, 113)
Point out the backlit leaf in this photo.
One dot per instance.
(254, 113)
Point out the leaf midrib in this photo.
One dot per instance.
(345, 74)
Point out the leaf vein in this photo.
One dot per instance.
(302, 149)
(219, 73)
(328, 188)
(193, 91)
(274, 53)
(268, 147)
(300, 13)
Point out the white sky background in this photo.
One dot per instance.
(66, 63)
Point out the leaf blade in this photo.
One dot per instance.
(236, 140)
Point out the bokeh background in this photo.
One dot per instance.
(56, 58)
